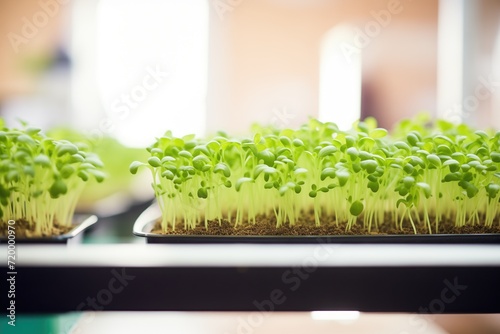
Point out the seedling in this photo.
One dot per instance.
(420, 175)
(41, 178)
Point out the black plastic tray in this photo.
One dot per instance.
(74, 236)
(148, 218)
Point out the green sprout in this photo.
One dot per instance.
(419, 176)
(41, 178)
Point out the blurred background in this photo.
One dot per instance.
(133, 69)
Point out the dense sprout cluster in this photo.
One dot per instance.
(422, 175)
(42, 178)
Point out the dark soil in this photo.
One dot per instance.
(266, 226)
(23, 230)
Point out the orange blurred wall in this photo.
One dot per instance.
(264, 59)
(29, 31)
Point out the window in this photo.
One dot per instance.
(340, 78)
(143, 64)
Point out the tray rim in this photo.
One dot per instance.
(80, 224)
(144, 223)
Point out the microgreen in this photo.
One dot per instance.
(41, 178)
(419, 175)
